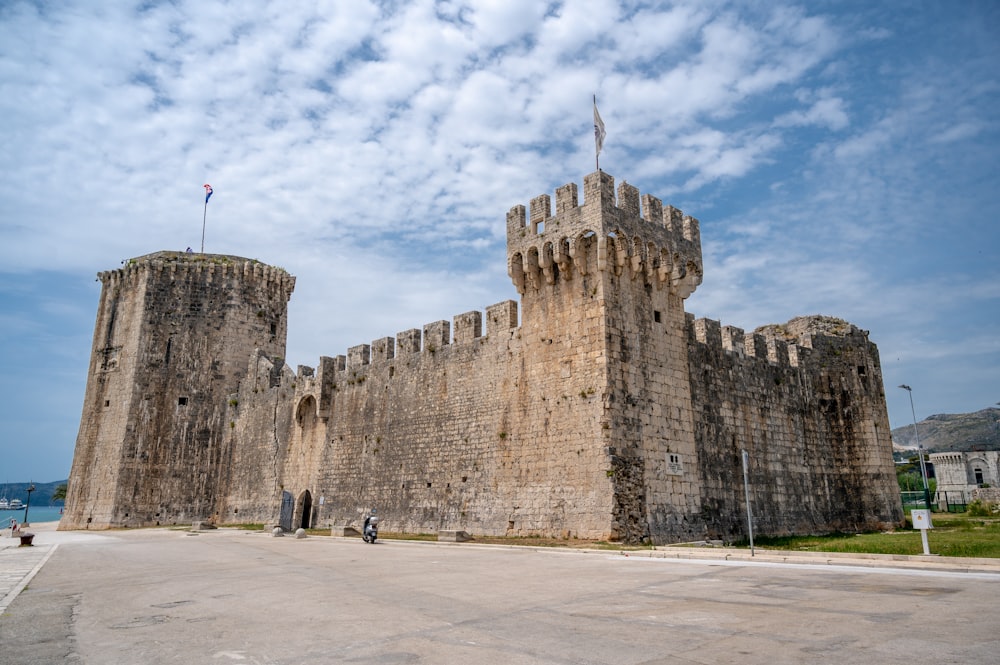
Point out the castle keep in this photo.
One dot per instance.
(594, 408)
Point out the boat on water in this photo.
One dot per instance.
(14, 504)
(4, 504)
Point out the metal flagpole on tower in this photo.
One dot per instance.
(204, 216)
(598, 135)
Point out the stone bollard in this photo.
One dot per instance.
(277, 532)
(300, 533)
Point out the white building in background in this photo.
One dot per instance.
(965, 472)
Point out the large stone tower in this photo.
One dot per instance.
(603, 285)
(174, 334)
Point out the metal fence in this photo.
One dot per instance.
(913, 500)
(952, 502)
(941, 502)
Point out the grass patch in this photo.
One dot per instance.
(245, 527)
(386, 535)
(954, 534)
(521, 541)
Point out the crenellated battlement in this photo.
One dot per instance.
(733, 341)
(629, 233)
(791, 345)
(207, 267)
(434, 337)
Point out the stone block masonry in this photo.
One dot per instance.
(605, 412)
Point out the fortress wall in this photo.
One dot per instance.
(649, 406)
(812, 418)
(420, 437)
(558, 413)
(258, 434)
(204, 321)
(201, 318)
(476, 433)
(606, 413)
(93, 491)
(472, 434)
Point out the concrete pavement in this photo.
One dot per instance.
(164, 596)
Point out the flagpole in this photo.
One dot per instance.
(204, 215)
(597, 150)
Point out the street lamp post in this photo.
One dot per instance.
(31, 488)
(920, 448)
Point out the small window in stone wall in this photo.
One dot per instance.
(979, 476)
(674, 465)
(656, 316)
(182, 401)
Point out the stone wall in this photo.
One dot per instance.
(812, 419)
(605, 412)
(172, 341)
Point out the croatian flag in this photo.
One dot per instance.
(208, 193)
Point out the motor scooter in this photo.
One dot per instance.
(370, 531)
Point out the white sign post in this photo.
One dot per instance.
(922, 520)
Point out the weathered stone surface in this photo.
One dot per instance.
(453, 536)
(173, 336)
(606, 412)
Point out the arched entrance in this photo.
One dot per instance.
(303, 511)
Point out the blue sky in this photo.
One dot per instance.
(843, 159)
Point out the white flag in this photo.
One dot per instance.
(598, 129)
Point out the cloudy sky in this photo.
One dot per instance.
(843, 159)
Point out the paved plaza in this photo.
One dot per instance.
(170, 596)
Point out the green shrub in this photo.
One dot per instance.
(980, 508)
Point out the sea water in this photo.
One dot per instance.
(36, 515)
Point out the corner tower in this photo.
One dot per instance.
(603, 285)
(174, 335)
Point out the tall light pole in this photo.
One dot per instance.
(31, 488)
(920, 448)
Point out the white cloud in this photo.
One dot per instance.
(837, 164)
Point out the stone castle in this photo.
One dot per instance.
(967, 474)
(603, 412)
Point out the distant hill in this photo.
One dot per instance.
(948, 432)
(42, 496)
